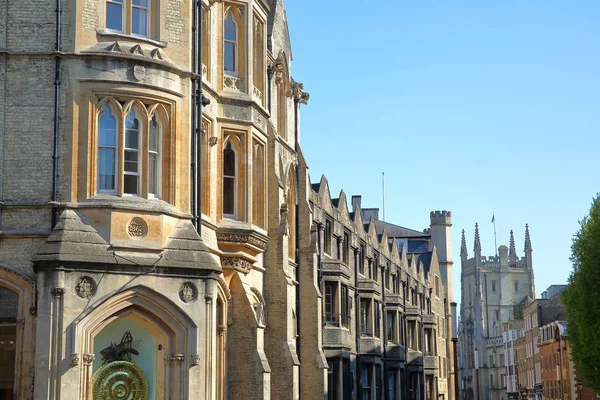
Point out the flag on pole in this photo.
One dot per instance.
(493, 217)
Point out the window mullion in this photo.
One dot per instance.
(120, 155)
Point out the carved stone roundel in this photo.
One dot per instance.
(137, 228)
(188, 292)
(85, 287)
(120, 380)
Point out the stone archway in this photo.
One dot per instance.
(171, 339)
(17, 334)
(469, 394)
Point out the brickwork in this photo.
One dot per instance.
(242, 298)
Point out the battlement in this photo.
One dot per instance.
(442, 217)
(491, 262)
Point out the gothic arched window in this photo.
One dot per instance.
(107, 151)
(133, 145)
(154, 157)
(229, 180)
(230, 44)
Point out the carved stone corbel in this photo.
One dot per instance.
(175, 358)
(75, 359)
(88, 359)
(195, 360)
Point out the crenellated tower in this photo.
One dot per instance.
(490, 287)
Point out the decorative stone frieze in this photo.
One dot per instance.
(238, 264)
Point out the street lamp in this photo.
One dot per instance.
(455, 345)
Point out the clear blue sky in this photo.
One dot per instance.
(469, 106)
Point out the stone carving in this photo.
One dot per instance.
(137, 228)
(139, 72)
(115, 47)
(88, 359)
(188, 292)
(195, 360)
(238, 264)
(212, 141)
(119, 352)
(120, 380)
(243, 238)
(233, 83)
(298, 93)
(136, 50)
(85, 287)
(156, 54)
(74, 359)
(175, 358)
(278, 72)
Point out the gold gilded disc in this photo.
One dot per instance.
(120, 380)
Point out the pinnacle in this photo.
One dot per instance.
(477, 245)
(512, 253)
(527, 238)
(463, 245)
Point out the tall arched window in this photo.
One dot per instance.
(229, 180)
(131, 178)
(107, 151)
(230, 44)
(154, 157)
(9, 302)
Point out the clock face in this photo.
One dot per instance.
(120, 380)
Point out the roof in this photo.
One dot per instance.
(425, 258)
(417, 246)
(563, 328)
(397, 231)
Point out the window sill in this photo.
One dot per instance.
(132, 38)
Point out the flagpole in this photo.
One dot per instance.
(495, 242)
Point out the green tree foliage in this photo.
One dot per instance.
(582, 297)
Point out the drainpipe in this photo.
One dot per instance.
(198, 101)
(57, 60)
(194, 131)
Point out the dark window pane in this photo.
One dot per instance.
(9, 302)
(131, 161)
(228, 161)
(114, 16)
(130, 184)
(228, 195)
(229, 57)
(141, 3)
(153, 173)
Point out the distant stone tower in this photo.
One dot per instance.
(441, 238)
(490, 287)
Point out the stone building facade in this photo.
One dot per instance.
(164, 223)
(491, 287)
